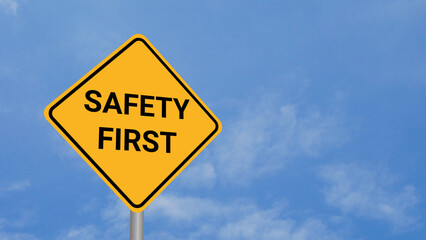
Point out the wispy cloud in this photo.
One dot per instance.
(8, 227)
(9, 6)
(5, 234)
(262, 136)
(113, 224)
(263, 225)
(237, 220)
(116, 217)
(82, 233)
(17, 236)
(369, 192)
(401, 7)
(200, 175)
(15, 186)
(185, 217)
(91, 47)
(264, 139)
(177, 208)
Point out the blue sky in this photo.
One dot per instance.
(322, 105)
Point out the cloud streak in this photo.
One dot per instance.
(5, 234)
(16, 186)
(262, 140)
(113, 224)
(83, 233)
(207, 219)
(9, 6)
(369, 193)
(17, 236)
(185, 217)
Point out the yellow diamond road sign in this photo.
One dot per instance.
(135, 121)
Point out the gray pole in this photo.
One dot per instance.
(136, 225)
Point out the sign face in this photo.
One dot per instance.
(135, 121)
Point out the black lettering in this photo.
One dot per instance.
(164, 101)
(118, 139)
(112, 98)
(150, 140)
(127, 103)
(146, 105)
(168, 140)
(92, 100)
(181, 108)
(128, 140)
(102, 138)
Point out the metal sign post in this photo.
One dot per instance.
(136, 225)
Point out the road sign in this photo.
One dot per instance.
(135, 121)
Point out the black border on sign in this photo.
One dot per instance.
(90, 158)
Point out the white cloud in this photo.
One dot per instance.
(22, 220)
(13, 235)
(17, 236)
(369, 192)
(6, 224)
(184, 217)
(91, 47)
(209, 219)
(9, 6)
(16, 186)
(83, 233)
(116, 217)
(264, 226)
(199, 175)
(178, 208)
(262, 137)
(402, 7)
(265, 138)
(113, 224)
(388, 11)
